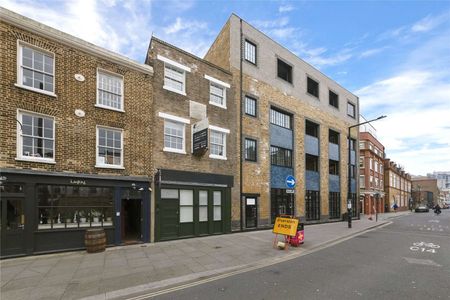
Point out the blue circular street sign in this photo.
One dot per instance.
(290, 182)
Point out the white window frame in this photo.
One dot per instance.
(178, 66)
(19, 144)
(225, 132)
(220, 84)
(19, 83)
(109, 166)
(112, 74)
(362, 181)
(176, 119)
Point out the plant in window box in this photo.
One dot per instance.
(81, 216)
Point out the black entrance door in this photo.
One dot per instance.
(169, 213)
(250, 212)
(12, 222)
(131, 220)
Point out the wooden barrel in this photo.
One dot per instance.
(95, 240)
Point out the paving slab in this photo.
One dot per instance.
(124, 270)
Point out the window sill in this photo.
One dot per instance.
(218, 105)
(174, 90)
(312, 95)
(109, 108)
(110, 167)
(37, 160)
(174, 150)
(217, 157)
(35, 90)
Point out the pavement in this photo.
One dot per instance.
(121, 272)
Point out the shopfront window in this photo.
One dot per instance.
(61, 206)
(186, 206)
(217, 205)
(203, 206)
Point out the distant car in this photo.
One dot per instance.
(422, 208)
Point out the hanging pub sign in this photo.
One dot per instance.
(200, 137)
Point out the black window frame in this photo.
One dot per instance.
(285, 154)
(334, 205)
(312, 205)
(311, 128)
(313, 91)
(245, 105)
(289, 70)
(246, 152)
(354, 109)
(311, 162)
(246, 41)
(333, 137)
(333, 99)
(333, 167)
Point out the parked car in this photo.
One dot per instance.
(421, 208)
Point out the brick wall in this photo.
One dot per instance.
(75, 137)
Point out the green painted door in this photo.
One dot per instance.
(169, 222)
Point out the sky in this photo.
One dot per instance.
(394, 55)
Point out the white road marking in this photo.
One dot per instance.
(426, 262)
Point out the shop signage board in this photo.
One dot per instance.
(285, 226)
(200, 137)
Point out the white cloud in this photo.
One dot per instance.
(371, 52)
(271, 24)
(285, 8)
(181, 25)
(416, 103)
(428, 23)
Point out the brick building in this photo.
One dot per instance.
(76, 125)
(293, 121)
(397, 186)
(425, 191)
(371, 174)
(194, 148)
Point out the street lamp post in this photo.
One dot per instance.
(349, 193)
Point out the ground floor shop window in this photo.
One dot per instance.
(334, 205)
(186, 206)
(217, 196)
(203, 206)
(312, 202)
(62, 206)
(282, 203)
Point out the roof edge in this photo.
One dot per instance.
(36, 27)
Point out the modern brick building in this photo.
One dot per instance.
(397, 187)
(371, 174)
(194, 149)
(293, 121)
(76, 125)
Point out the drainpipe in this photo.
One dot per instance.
(240, 125)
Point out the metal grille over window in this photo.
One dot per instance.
(250, 149)
(250, 106)
(217, 94)
(280, 118)
(174, 78)
(173, 135)
(37, 136)
(37, 69)
(250, 52)
(280, 156)
(217, 143)
(109, 147)
(312, 205)
(334, 205)
(110, 90)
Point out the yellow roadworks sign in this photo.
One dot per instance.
(286, 226)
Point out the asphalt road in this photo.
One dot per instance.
(409, 259)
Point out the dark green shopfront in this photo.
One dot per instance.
(44, 212)
(189, 204)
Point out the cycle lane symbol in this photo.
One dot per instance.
(424, 247)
